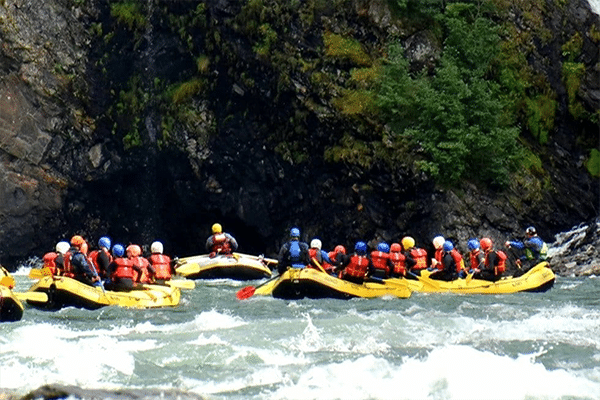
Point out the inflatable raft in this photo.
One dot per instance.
(540, 278)
(308, 282)
(11, 308)
(67, 292)
(236, 266)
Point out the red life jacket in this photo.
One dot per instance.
(439, 257)
(399, 261)
(358, 266)
(144, 276)
(458, 260)
(420, 256)
(501, 260)
(474, 258)
(68, 271)
(162, 266)
(221, 244)
(50, 262)
(123, 268)
(379, 259)
(94, 260)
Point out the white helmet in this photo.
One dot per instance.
(316, 244)
(438, 242)
(156, 247)
(62, 247)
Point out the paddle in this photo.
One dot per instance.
(469, 277)
(248, 291)
(181, 284)
(426, 280)
(39, 273)
(319, 265)
(39, 297)
(8, 281)
(267, 260)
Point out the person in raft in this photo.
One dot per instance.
(529, 252)
(163, 268)
(494, 263)
(220, 242)
(293, 254)
(358, 265)
(82, 270)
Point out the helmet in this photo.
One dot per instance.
(340, 249)
(383, 247)
(118, 250)
(156, 247)
(62, 247)
(473, 244)
(316, 244)
(217, 228)
(295, 232)
(360, 247)
(77, 240)
(448, 246)
(104, 242)
(133, 250)
(395, 248)
(486, 244)
(438, 242)
(530, 231)
(408, 242)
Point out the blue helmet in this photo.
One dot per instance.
(360, 247)
(448, 246)
(295, 232)
(383, 247)
(473, 244)
(104, 242)
(118, 250)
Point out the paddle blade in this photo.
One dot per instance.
(37, 273)
(182, 284)
(38, 297)
(245, 293)
(7, 281)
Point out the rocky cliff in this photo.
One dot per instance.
(146, 120)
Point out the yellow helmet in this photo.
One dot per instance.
(408, 242)
(217, 228)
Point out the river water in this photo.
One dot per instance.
(430, 346)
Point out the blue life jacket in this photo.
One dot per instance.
(296, 255)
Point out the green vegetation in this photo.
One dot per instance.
(593, 163)
(345, 49)
(458, 115)
(130, 14)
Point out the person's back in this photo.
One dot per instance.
(293, 254)
(417, 254)
(401, 263)
(120, 271)
(101, 258)
(380, 260)
(451, 263)
(494, 262)
(163, 270)
(357, 265)
(220, 242)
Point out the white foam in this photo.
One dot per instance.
(452, 372)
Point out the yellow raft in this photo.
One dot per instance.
(236, 266)
(67, 292)
(538, 279)
(308, 282)
(11, 309)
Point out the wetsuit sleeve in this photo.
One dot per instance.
(232, 242)
(209, 243)
(103, 261)
(410, 262)
(305, 257)
(516, 244)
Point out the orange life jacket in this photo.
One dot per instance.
(439, 257)
(420, 256)
(399, 262)
(94, 260)
(144, 276)
(474, 258)
(458, 260)
(123, 268)
(379, 259)
(50, 262)
(501, 257)
(162, 266)
(358, 266)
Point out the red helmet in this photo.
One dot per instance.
(395, 248)
(339, 249)
(486, 244)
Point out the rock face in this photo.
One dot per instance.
(73, 161)
(577, 252)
